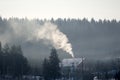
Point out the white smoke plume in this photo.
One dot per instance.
(50, 32)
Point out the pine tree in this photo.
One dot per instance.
(0, 58)
(46, 69)
(51, 69)
(54, 65)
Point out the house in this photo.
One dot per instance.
(69, 67)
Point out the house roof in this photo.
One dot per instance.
(71, 61)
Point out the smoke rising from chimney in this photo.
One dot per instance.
(50, 33)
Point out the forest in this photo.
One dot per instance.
(97, 41)
(14, 65)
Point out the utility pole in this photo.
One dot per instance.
(82, 70)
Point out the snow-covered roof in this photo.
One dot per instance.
(71, 62)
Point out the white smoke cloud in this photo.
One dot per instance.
(32, 31)
(50, 33)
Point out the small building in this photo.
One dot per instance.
(71, 62)
(69, 67)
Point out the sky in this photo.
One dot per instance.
(98, 9)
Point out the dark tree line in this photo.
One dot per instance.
(51, 68)
(80, 31)
(105, 70)
(12, 61)
(82, 28)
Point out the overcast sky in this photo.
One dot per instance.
(98, 9)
